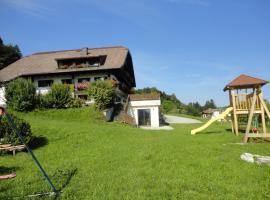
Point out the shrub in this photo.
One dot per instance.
(168, 106)
(21, 95)
(58, 97)
(75, 103)
(102, 92)
(8, 135)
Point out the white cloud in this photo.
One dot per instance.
(30, 7)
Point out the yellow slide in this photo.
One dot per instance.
(221, 116)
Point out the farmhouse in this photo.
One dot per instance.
(77, 67)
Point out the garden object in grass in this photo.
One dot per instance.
(253, 158)
(19, 134)
(12, 148)
(246, 99)
(7, 176)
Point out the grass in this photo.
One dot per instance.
(90, 159)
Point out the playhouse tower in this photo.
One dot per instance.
(246, 98)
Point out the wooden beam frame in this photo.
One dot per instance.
(251, 111)
(234, 115)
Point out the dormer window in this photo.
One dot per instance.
(81, 62)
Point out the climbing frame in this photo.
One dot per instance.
(246, 98)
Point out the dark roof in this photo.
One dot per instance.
(244, 81)
(146, 96)
(46, 62)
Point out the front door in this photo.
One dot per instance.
(144, 117)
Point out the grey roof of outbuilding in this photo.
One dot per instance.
(45, 62)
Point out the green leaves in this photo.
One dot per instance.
(8, 135)
(8, 54)
(102, 92)
(58, 97)
(21, 95)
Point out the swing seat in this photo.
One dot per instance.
(255, 130)
(8, 176)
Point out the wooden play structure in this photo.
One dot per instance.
(246, 99)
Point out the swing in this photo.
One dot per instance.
(7, 176)
(3, 113)
(255, 124)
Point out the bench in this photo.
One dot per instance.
(9, 148)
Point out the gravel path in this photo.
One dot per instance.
(180, 120)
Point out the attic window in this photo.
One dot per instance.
(81, 62)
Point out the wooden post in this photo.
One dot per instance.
(235, 120)
(251, 112)
(263, 114)
(231, 104)
(264, 106)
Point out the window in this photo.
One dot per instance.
(81, 62)
(83, 80)
(45, 83)
(144, 117)
(82, 96)
(97, 78)
(66, 81)
(117, 99)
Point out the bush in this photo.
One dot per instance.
(8, 135)
(21, 95)
(102, 92)
(58, 97)
(168, 106)
(75, 103)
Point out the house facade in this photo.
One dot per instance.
(77, 67)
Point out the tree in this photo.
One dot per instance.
(102, 92)
(8, 54)
(21, 94)
(194, 109)
(209, 104)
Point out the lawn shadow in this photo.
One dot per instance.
(212, 132)
(7, 170)
(63, 178)
(38, 141)
(240, 130)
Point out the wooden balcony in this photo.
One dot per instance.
(243, 103)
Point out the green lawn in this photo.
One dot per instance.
(89, 159)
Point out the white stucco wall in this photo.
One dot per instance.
(153, 105)
(2, 97)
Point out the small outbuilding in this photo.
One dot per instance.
(211, 113)
(144, 108)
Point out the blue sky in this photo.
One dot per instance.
(188, 47)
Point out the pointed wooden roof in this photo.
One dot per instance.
(244, 81)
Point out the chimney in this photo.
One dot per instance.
(84, 51)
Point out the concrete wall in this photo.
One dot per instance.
(153, 105)
(2, 96)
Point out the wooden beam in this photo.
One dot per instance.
(234, 116)
(251, 111)
(258, 135)
(262, 115)
(264, 106)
